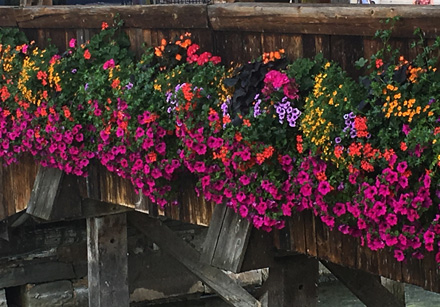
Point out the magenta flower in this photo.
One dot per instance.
(109, 64)
(243, 211)
(72, 43)
(398, 254)
(324, 187)
(406, 129)
(339, 209)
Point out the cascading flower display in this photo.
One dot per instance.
(267, 139)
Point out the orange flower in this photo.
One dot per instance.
(187, 93)
(87, 54)
(321, 176)
(152, 156)
(403, 146)
(67, 113)
(338, 151)
(246, 122)
(299, 145)
(238, 136)
(388, 153)
(4, 93)
(115, 83)
(178, 57)
(354, 149)
(360, 124)
(226, 119)
(104, 26)
(365, 165)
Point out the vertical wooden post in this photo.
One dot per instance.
(293, 281)
(395, 287)
(107, 261)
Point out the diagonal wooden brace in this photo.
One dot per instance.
(215, 278)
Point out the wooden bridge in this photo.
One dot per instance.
(47, 199)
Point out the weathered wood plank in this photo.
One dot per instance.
(233, 238)
(310, 233)
(189, 257)
(260, 252)
(107, 261)
(215, 226)
(115, 189)
(3, 205)
(18, 180)
(365, 286)
(252, 45)
(293, 46)
(320, 19)
(395, 288)
(346, 51)
(297, 234)
(292, 282)
(322, 45)
(7, 17)
(55, 195)
(146, 17)
(36, 272)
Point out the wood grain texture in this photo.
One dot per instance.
(145, 17)
(107, 261)
(216, 279)
(46, 188)
(320, 19)
(227, 240)
(7, 17)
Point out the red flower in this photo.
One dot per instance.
(87, 54)
(104, 25)
(379, 63)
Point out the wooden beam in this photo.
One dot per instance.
(365, 286)
(396, 288)
(36, 272)
(215, 278)
(95, 208)
(321, 18)
(55, 195)
(292, 281)
(89, 17)
(107, 261)
(227, 240)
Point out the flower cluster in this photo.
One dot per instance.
(272, 139)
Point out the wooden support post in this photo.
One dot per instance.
(395, 287)
(293, 282)
(365, 286)
(213, 277)
(55, 195)
(107, 261)
(227, 239)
